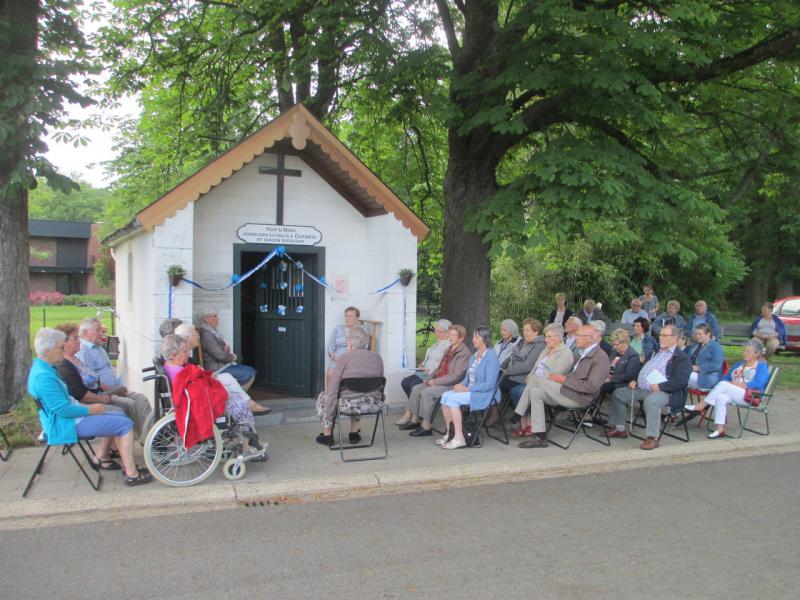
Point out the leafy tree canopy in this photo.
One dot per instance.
(85, 204)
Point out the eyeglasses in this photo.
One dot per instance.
(584, 335)
(666, 335)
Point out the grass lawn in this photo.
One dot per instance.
(50, 316)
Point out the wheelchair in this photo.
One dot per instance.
(168, 459)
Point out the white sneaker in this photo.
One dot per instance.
(454, 444)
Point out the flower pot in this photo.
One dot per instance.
(175, 280)
(406, 279)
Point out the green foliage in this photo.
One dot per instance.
(104, 268)
(21, 425)
(83, 203)
(35, 88)
(78, 299)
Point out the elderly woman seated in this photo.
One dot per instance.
(355, 363)
(625, 362)
(188, 332)
(64, 419)
(476, 389)
(672, 316)
(217, 355)
(642, 342)
(175, 351)
(509, 335)
(707, 357)
(745, 377)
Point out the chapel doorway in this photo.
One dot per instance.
(280, 320)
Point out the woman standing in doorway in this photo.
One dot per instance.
(337, 345)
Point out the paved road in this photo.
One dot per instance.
(636, 534)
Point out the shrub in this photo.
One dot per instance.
(48, 298)
(98, 299)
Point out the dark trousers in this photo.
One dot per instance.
(409, 382)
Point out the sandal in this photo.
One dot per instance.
(107, 464)
(518, 433)
(113, 454)
(257, 409)
(140, 479)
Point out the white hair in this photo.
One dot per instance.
(357, 338)
(205, 313)
(87, 324)
(171, 345)
(599, 325)
(46, 339)
(443, 325)
(185, 330)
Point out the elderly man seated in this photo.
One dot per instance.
(64, 419)
(576, 389)
(634, 312)
(662, 381)
(97, 372)
(571, 335)
(429, 365)
(356, 362)
(591, 312)
(701, 316)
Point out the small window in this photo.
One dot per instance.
(790, 308)
(130, 276)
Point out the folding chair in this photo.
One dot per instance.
(363, 386)
(475, 441)
(67, 449)
(581, 418)
(697, 394)
(763, 407)
(668, 421)
(4, 455)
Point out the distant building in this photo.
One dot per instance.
(69, 252)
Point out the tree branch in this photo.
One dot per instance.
(449, 29)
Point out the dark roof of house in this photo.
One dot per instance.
(59, 229)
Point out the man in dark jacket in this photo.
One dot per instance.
(662, 382)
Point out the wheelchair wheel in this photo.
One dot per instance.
(172, 463)
(231, 471)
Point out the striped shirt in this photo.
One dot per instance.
(657, 363)
(96, 361)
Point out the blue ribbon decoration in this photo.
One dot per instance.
(386, 288)
(237, 279)
(169, 301)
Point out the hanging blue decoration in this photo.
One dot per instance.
(280, 250)
(234, 278)
(299, 309)
(264, 308)
(299, 265)
(263, 286)
(281, 310)
(283, 266)
(283, 285)
(298, 287)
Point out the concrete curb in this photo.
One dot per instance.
(33, 513)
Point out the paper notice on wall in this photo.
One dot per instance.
(341, 287)
(221, 300)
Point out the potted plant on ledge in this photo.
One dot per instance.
(175, 273)
(406, 275)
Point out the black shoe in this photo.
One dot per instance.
(409, 426)
(355, 437)
(420, 432)
(515, 418)
(325, 440)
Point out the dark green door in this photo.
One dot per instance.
(279, 326)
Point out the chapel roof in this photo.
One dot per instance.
(295, 132)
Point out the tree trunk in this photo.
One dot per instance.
(18, 47)
(756, 291)
(469, 181)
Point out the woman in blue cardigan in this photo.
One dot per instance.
(475, 390)
(64, 419)
(707, 357)
(750, 374)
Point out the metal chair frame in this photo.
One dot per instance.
(472, 414)
(763, 408)
(362, 385)
(4, 455)
(67, 449)
(579, 417)
(667, 420)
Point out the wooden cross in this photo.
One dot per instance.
(281, 171)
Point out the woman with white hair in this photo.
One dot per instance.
(64, 419)
(217, 355)
(509, 335)
(737, 386)
(188, 332)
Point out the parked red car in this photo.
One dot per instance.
(788, 310)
